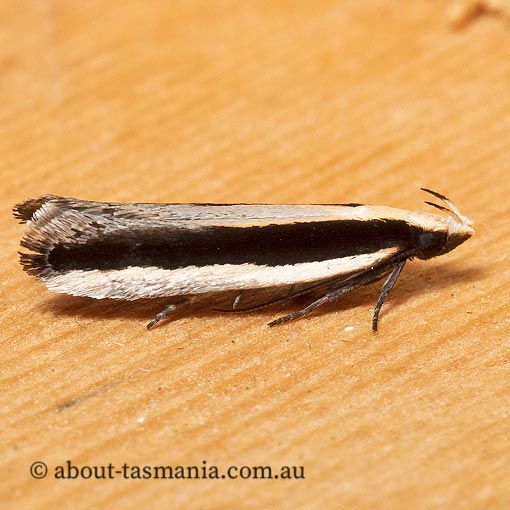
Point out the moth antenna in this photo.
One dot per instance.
(453, 208)
(436, 194)
(444, 209)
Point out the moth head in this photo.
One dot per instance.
(438, 242)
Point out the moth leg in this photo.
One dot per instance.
(388, 285)
(354, 283)
(237, 300)
(161, 315)
(328, 298)
(235, 305)
(281, 299)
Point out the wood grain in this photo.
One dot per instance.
(319, 102)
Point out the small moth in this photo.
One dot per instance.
(133, 251)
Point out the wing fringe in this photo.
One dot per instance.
(37, 213)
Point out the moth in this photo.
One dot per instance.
(133, 251)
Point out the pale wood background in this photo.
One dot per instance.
(313, 101)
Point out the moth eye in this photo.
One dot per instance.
(431, 244)
(426, 240)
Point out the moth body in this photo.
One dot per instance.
(132, 251)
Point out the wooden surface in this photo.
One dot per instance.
(260, 102)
